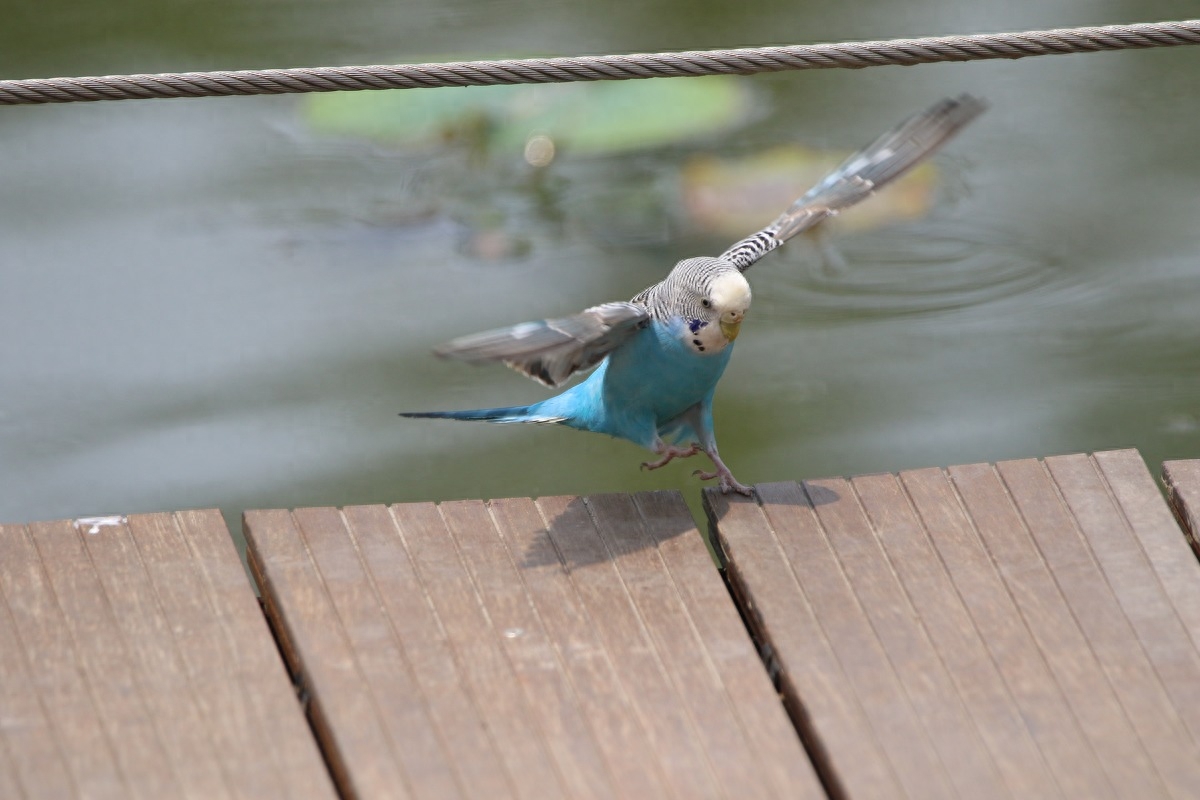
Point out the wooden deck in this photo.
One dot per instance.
(134, 662)
(1029, 629)
(1024, 630)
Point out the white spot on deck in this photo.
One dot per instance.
(94, 524)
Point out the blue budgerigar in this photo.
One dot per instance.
(661, 354)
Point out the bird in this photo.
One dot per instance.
(661, 354)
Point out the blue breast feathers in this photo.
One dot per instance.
(642, 386)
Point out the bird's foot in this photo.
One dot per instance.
(670, 452)
(726, 482)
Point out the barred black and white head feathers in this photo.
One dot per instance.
(711, 297)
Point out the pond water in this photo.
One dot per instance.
(215, 303)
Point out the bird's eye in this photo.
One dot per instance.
(706, 303)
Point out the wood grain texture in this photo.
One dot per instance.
(1022, 630)
(852, 537)
(382, 680)
(227, 635)
(959, 644)
(657, 713)
(58, 744)
(666, 619)
(821, 699)
(1112, 639)
(427, 652)
(603, 701)
(535, 662)
(153, 661)
(1123, 546)
(763, 720)
(137, 647)
(565, 647)
(109, 670)
(1071, 760)
(804, 542)
(355, 743)
(1151, 520)
(487, 673)
(1072, 663)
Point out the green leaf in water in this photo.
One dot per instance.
(584, 118)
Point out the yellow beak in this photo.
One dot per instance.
(731, 329)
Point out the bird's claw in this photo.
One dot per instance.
(671, 453)
(727, 482)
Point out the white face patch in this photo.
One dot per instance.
(731, 292)
(730, 296)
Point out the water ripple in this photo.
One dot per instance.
(919, 269)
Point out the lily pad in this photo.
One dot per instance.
(733, 197)
(584, 118)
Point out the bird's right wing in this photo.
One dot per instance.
(862, 174)
(552, 350)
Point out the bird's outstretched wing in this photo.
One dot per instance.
(862, 174)
(551, 350)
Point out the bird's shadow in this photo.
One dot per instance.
(605, 528)
(618, 528)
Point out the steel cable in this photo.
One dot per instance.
(744, 61)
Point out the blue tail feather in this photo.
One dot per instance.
(499, 415)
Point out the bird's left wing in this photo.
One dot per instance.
(862, 174)
(552, 350)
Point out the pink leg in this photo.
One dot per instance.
(727, 481)
(669, 452)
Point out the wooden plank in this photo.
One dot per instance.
(790, 510)
(460, 674)
(1123, 557)
(768, 731)
(820, 698)
(153, 660)
(42, 761)
(486, 671)
(111, 643)
(603, 700)
(1023, 630)
(665, 617)
(1151, 520)
(1071, 760)
(344, 713)
(919, 569)
(539, 671)
(1099, 615)
(909, 654)
(237, 675)
(673, 740)
(108, 668)
(564, 647)
(427, 651)
(387, 682)
(1069, 656)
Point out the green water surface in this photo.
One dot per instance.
(215, 303)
